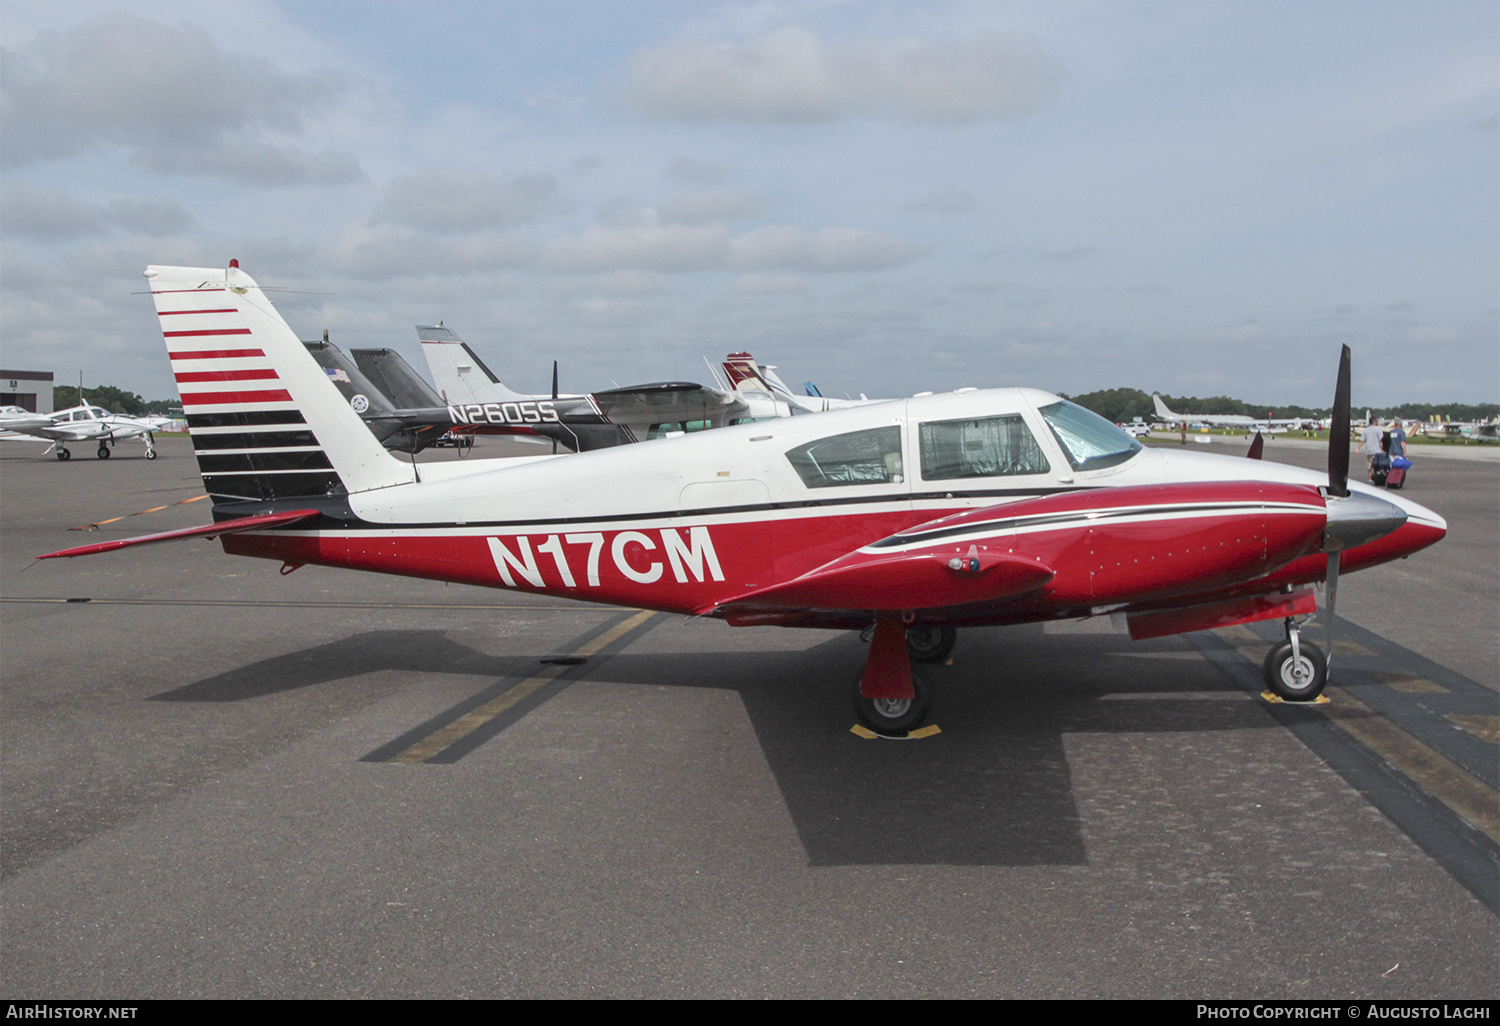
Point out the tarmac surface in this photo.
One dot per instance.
(217, 781)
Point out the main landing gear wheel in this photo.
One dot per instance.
(104, 452)
(894, 716)
(931, 644)
(150, 454)
(1299, 680)
(63, 455)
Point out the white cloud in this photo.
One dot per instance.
(699, 171)
(635, 238)
(379, 253)
(828, 249)
(170, 97)
(951, 200)
(767, 285)
(44, 214)
(51, 216)
(656, 247)
(789, 75)
(449, 201)
(709, 206)
(157, 218)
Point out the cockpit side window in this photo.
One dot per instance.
(986, 447)
(856, 458)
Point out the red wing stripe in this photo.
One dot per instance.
(226, 398)
(175, 313)
(210, 331)
(215, 354)
(260, 374)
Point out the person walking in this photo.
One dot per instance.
(1369, 446)
(1398, 438)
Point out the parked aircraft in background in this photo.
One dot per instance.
(759, 380)
(81, 424)
(1477, 431)
(912, 517)
(600, 419)
(1265, 425)
(399, 427)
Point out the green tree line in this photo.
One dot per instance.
(1122, 405)
(115, 400)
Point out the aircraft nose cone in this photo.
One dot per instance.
(1358, 518)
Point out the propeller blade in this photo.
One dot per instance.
(1256, 447)
(1338, 432)
(554, 379)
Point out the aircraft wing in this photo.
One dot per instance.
(910, 580)
(669, 401)
(25, 424)
(1009, 550)
(36, 427)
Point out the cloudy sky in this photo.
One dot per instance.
(1199, 198)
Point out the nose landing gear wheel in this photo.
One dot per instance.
(931, 644)
(1301, 680)
(894, 716)
(150, 454)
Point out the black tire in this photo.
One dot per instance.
(150, 454)
(894, 717)
(63, 455)
(1288, 685)
(104, 452)
(928, 644)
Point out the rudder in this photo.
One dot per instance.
(265, 420)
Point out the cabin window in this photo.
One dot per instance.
(985, 447)
(676, 427)
(1090, 441)
(856, 458)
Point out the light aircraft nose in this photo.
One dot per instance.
(1379, 527)
(1358, 518)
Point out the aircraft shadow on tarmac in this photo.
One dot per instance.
(415, 651)
(993, 789)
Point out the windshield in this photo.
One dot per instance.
(1090, 441)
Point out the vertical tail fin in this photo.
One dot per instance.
(266, 421)
(458, 373)
(395, 377)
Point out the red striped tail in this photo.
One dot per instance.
(265, 420)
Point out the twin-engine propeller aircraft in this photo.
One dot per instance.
(81, 424)
(914, 517)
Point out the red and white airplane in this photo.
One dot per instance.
(913, 516)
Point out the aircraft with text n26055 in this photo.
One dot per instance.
(478, 400)
(911, 517)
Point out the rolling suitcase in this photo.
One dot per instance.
(1397, 476)
(1380, 469)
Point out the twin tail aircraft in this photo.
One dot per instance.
(912, 517)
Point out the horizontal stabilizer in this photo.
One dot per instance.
(206, 531)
